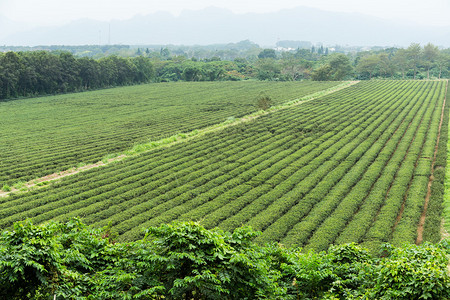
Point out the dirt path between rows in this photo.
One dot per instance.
(43, 181)
(420, 228)
(56, 176)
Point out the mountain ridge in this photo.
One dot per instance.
(217, 25)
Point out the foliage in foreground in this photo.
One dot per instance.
(186, 261)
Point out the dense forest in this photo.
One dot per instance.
(43, 72)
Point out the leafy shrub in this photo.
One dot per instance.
(197, 263)
(29, 261)
(412, 272)
(263, 102)
(186, 261)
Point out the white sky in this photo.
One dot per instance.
(49, 12)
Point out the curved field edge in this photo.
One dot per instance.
(165, 142)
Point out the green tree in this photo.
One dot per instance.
(430, 54)
(70, 70)
(386, 65)
(196, 263)
(340, 65)
(117, 70)
(29, 262)
(411, 272)
(322, 73)
(192, 72)
(268, 69)
(267, 53)
(320, 50)
(144, 69)
(109, 72)
(400, 60)
(11, 66)
(89, 73)
(442, 62)
(414, 55)
(214, 70)
(169, 70)
(368, 65)
(293, 68)
(263, 102)
(28, 76)
(164, 52)
(49, 72)
(187, 261)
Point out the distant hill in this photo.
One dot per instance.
(215, 25)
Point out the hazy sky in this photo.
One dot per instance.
(48, 12)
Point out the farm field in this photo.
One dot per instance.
(44, 135)
(446, 206)
(352, 166)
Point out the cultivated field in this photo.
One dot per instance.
(351, 166)
(44, 135)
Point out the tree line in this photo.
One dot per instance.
(414, 62)
(32, 73)
(43, 73)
